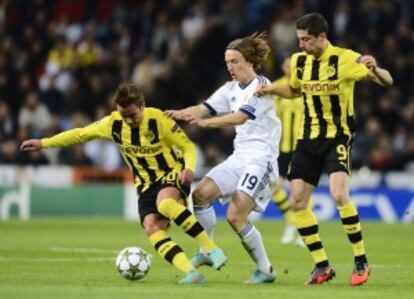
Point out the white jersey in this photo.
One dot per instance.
(258, 136)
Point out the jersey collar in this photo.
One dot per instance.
(327, 52)
(243, 86)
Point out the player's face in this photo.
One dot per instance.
(239, 68)
(309, 43)
(132, 114)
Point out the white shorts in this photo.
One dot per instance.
(252, 177)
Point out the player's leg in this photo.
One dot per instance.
(304, 174)
(203, 196)
(237, 216)
(169, 205)
(339, 187)
(219, 181)
(253, 193)
(338, 162)
(155, 226)
(281, 199)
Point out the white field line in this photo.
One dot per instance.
(64, 249)
(4, 259)
(82, 250)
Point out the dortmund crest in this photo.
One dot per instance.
(149, 135)
(331, 71)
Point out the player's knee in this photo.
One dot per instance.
(200, 197)
(298, 203)
(152, 225)
(339, 197)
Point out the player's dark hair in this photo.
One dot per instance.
(314, 23)
(254, 48)
(128, 93)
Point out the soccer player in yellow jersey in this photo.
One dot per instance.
(162, 160)
(325, 76)
(289, 112)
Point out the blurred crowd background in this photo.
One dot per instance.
(60, 60)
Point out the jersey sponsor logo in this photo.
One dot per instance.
(143, 150)
(306, 87)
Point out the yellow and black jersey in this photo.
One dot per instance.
(290, 113)
(327, 86)
(155, 148)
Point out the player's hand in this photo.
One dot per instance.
(31, 145)
(369, 61)
(187, 176)
(178, 114)
(263, 89)
(201, 122)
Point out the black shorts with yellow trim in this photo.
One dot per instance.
(311, 157)
(283, 163)
(147, 201)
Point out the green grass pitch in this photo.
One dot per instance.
(74, 258)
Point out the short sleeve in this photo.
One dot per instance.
(218, 102)
(355, 70)
(255, 106)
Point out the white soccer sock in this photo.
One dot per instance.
(207, 218)
(252, 242)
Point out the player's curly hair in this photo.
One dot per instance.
(127, 93)
(254, 48)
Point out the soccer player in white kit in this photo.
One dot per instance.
(245, 176)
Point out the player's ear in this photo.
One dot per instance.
(323, 35)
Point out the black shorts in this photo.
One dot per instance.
(311, 157)
(283, 162)
(147, 201)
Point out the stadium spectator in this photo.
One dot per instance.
(124, 31)
(34, 115)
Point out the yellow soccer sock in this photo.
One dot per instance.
(170, 251)
(308, 229)
(187, 221)
(281, 199)
(352, 226)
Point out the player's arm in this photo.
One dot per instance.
(283, 91)
(176, 137)
(376, 74)
(69, 137)
(228, 120)
(287, 91)
(188, 113)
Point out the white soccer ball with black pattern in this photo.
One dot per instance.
(133, 263)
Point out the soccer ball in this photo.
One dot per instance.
(133, 263)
